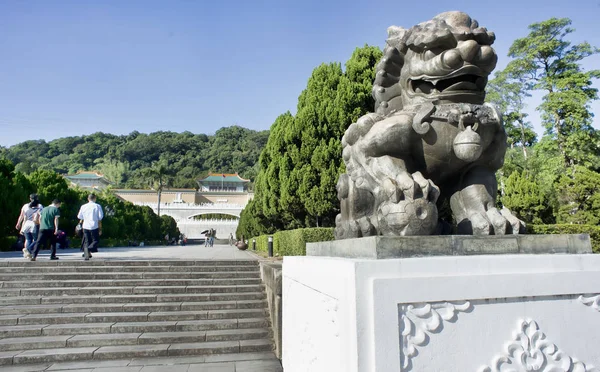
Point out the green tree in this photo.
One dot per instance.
(123, 159)
(159, 176)
(579, 197)
(15, 189)
(168, 226)
(114, 170)
(509, 95)
(301, 162)
(544, 60)
(524, 197)
(252, 222)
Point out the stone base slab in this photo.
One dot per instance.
(383, 247)
(454, 313)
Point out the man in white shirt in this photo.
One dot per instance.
(91, 214)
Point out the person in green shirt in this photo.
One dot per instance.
(48, 230)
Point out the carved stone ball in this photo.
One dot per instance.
(241, 245)
(467, 145)
(408, 217)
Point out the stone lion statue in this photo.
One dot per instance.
(431, 137)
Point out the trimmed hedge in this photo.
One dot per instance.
(292, 242)
(592, 230)
(261, 243)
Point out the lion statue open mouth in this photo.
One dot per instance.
(431, 137)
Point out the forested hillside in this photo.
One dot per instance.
(125, 159)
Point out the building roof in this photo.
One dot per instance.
(87, 176)
(223, 177)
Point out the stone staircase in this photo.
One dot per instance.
(56, 311)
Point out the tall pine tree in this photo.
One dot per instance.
(301, 163)
(545, 60)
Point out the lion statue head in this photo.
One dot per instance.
(447, 60)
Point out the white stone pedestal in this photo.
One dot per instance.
(442, 314)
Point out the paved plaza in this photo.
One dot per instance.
(171, 252)
(250, 362)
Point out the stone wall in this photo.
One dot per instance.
(270, 273)
(150, 196)
(227, 198)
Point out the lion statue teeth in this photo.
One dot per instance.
(431, 138)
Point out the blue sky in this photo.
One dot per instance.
(82, 66)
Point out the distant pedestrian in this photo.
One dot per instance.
(61, 240)
(212, 234)
(206, 238)
(92, 215)
(29, 223)
(48, 230)
(231, 240)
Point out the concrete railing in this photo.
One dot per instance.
(192, 206)
(270, 273)
(186, 221)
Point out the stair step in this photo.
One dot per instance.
(132, 351)
(197, 297)
(128, 283)
(18, 300)
(217, 324)
(56, 329)
(74, 291)
(104, 339)
(21, 330)
(85, 268)
(237, 334)
(146, 298)
(127, 316)
(10, 292)
(102, 299)
(44, 263)
(75, 328)
(197, 348)
(66, 354)
(132, 306)
(37, 342)
(12, 277)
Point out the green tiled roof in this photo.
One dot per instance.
(220, 178)
(86, 176)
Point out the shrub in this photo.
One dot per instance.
(7, 243)
(592, 230)
(293, 242)
(261, 243)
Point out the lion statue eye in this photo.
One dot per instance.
(432, 52)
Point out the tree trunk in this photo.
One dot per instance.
(158, 207)
(523, 137)
(559, 140)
